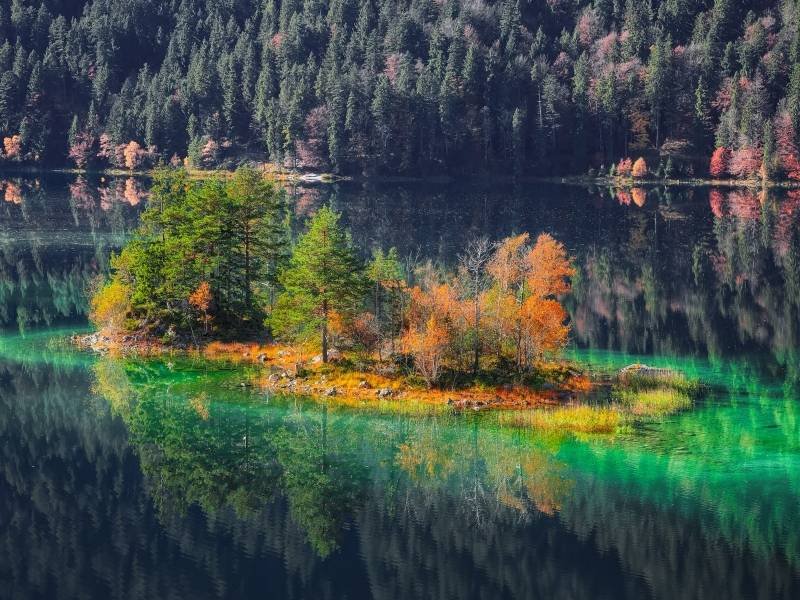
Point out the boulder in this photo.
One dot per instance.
(384, 393)
(333, 356)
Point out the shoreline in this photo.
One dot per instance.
(297, 370)
(567, 397)
(298, 177)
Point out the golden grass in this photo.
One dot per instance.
(580, 418)
(657, 402)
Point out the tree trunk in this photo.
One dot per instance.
(476, 358)
(325, 331)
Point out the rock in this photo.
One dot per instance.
(364, 384)
(331, 391)
(333, 356)
(384, 393)
(262, 357)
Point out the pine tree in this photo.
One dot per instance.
(323, 277)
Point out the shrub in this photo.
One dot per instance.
(110, 306)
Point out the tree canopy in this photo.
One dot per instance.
(403, 86)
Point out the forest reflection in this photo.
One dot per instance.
(177, 468)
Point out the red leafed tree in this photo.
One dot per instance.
(111, 151)
(745, 162)
(588, 27)
(786, 146)
(313, 149)
(719, 162)
(625, 167)
(716, 201)
(81, 151)
(392, 67)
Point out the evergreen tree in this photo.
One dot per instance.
(324, 277)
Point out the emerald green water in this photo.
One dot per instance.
(159, 479)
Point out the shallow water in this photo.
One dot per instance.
(142, 479)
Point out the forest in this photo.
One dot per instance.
(415, 87)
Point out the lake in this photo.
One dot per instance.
(166, 479)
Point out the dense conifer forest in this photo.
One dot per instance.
(696, 87)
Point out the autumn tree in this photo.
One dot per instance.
(524, 309)
(624, 167)
(323, 276)
(12, 146)
(639, 168)
(719, 162)
(786, 148)
(110, 305)
(133, 155)
(82, 149)
(745, 162)
(472, 264)
(200, 300)
(428, 345)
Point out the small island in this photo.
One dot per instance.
(215, 270)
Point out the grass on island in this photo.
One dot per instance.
(634, 398)
(578, 418)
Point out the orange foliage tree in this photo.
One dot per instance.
(12, 146)
(526, 318)
(200, 300)
(133, 154)
(639, 168)
(428, 345)
(521, 317)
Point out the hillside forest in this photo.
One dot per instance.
(369, 87)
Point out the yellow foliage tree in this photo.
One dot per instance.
(110, 306)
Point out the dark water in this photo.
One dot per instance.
(146, 479)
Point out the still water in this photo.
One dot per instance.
(142, 479)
